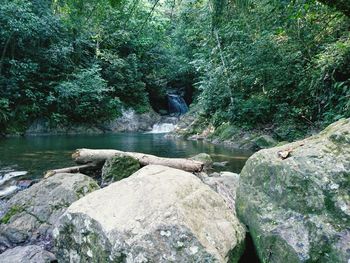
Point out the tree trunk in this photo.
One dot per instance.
(83, 156)
(73, 169)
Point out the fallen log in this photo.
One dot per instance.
(73, 169)
(84, 156)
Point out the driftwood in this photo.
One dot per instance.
(85, 156)
(73, 169)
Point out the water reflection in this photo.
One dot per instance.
(38, 154)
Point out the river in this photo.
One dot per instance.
(29, 157)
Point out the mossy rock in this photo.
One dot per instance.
(225, 131)
(118, 168)
(265, 141)
(204, 158)
(29, 215)
(296, 208)
(14, 210)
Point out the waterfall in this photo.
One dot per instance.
(177, 104)
(162, 128)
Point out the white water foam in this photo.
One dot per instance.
(9, 176)
(8, 190)
(162, 128)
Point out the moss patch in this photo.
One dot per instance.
(14, 210)
(225, 131)
(84, 190)
(118, 168)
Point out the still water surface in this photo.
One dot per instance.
(35, 155)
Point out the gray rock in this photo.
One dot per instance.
(226, 185)
(29, 215)
(298, 208)
(119, 167)
(42, 127)
(132, 121)
(27, 254)
(159, 214)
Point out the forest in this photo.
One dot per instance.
(207, 131)
(245, 62)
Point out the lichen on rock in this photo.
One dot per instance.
(30, 214)
(159, 214)
(297, 208)
(118, 168)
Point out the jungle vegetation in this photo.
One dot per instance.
(251, 63)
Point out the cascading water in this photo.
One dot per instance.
(162, 128)
(177, 105)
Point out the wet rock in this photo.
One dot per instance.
(29, 215)
(298, 208)
(24, 184)
(159, 214)
(27, 254)
(119, 167)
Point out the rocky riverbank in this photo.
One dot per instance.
(130, 121)
(194, 126)
(292, 199)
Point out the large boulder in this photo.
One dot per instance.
(30, 215)
(226, 185)
(119, 167)
(295, 198)
(131, 121)
(27, 254)
(159, 214)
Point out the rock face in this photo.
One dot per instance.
(42, 126)
(129, 121)
(297, 207)
(27, 254)
(29, 215)
(132, 121)
(119, 167)
(226, 185)
(158, 214)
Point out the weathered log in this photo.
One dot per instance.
(84, 156)
(73, 169)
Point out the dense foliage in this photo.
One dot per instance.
(81, 61)
(255, 64)
(263, 63)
